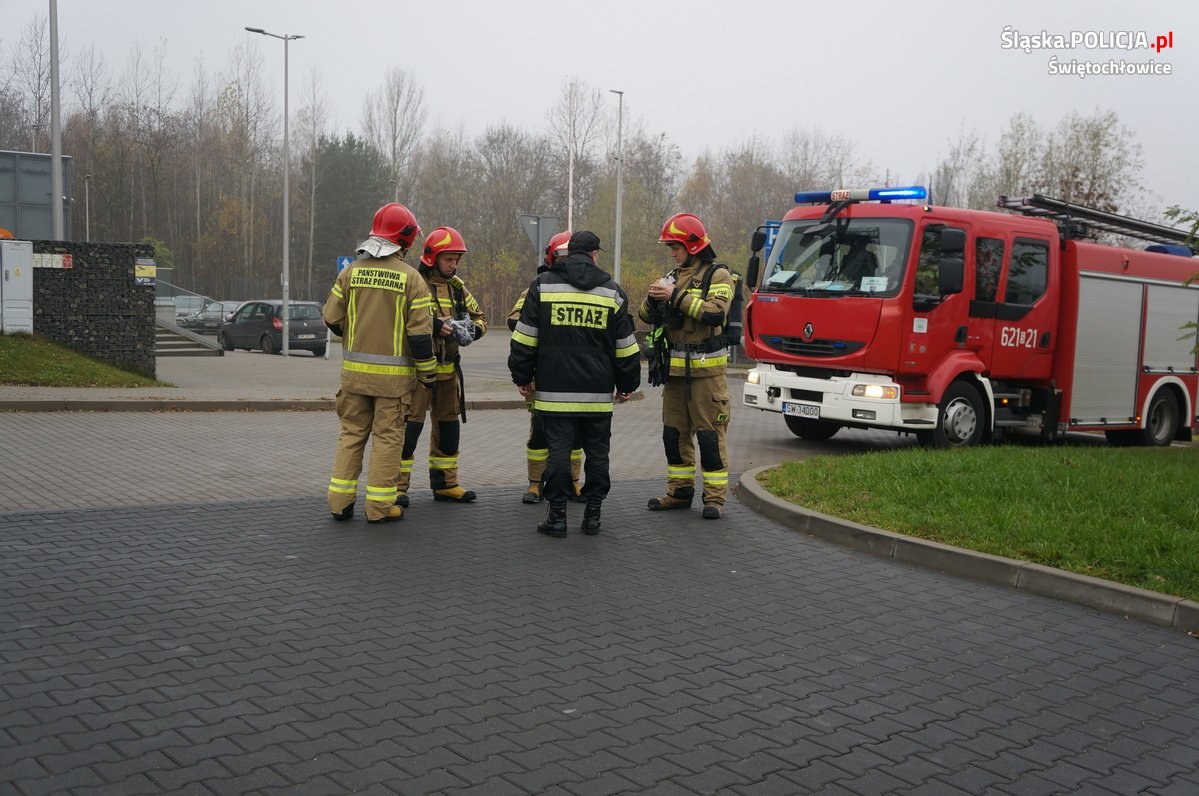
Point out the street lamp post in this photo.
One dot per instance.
(87, 207)
(286, 37)
(619, 180)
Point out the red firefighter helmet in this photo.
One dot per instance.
(556, 246)
(395, 223)
(442, 239)
(686, 229)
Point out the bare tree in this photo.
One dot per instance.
(313, 120)
(92, 86)
(29, 67)
(394, 120)
(813, 159)
(734, 191)
(510, 172)
(160, 139)
(1093, 160)
(577, 123)
(965, 177)
(1020, 153)
(200, 132)
(245, 111)
(654, 162)
(134, 96)
(445, 175)
(12, 119)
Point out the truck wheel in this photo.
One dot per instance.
(1162, 421)
(960, 419)
(815, 430)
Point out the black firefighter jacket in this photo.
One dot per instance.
(575, 336)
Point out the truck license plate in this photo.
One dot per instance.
(801, 410)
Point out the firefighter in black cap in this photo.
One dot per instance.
(575, 336)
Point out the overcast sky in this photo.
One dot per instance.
(900, 79)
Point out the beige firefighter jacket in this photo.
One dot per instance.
(450, 297)
(693, 318)
(385, 313)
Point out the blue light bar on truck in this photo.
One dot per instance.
(861, 195)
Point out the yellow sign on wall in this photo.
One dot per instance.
(145, 271)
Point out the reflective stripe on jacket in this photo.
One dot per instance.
(385, 312)
(575, 336)
(697, 319)
(449, 298)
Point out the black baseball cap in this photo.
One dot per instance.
(584, 241)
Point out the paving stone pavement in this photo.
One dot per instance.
(178, 614)
(260, 647)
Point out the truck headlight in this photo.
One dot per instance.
(885, 392)
(753, 377)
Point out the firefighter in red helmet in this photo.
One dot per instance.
(382, 310)
(457, 322)
(695, 395)
(536, 449)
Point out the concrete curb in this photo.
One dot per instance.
(199, 405)
(187, 405)
(1130, 602)
(167, 405)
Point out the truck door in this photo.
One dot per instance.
(938, 322)
(988, 252)
(1026, 314)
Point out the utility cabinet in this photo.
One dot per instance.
(16, 286)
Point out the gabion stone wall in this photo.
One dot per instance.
(96, 307)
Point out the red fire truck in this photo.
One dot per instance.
(957, 325)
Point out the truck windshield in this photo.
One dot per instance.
(846, 256)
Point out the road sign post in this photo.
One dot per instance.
(539, 229)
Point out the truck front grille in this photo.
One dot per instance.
(814, 348)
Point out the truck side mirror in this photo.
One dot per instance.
(953, 242)
(758, 241)
(950, 276)
(751, 271)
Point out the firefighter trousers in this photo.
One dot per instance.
(702, 419)
(365, 417)
(594, 433)
(442, 404)
(537, 451)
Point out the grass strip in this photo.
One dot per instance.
(34, 361)
(1128, 515)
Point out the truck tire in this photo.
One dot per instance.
(815, 430)
(961, 419)
(1161, 422)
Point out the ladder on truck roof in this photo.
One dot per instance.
(1080, 221)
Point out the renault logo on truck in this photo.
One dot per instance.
(808, 331)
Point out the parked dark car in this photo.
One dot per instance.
(259, 325)
(210, 318)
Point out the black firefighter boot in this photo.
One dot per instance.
(555, 521)
(591, 518)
